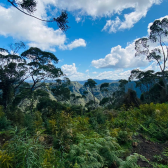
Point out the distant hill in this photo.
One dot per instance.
(77, 88)
(98, 81)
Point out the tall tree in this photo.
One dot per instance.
(91, 84)
(158, 35)
(119, 94)
(28, 7)
(60, 89)
(104, 87)
(145, 79)
(37, 65)
(41, 66)
(12, 73)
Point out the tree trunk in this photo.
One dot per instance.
(165, 85)
(93, 97)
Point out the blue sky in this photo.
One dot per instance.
(100, 41)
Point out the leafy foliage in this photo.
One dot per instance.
(94, 151)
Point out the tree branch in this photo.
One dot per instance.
(29, 14)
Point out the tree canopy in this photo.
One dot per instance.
(28, 7)
(33, 64)
(158, 35)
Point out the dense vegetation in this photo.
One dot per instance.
(40, 128)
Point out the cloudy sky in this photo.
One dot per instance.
(100, 41)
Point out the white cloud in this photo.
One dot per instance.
(107, 8)
(76, 43)
(121, 58)
(114, 75)
(153, 66)
(35, 32)
(141, 8)
(71, 72)
(94, 72)
(112, 25)
(87, 70)
(78, 19)
(99, 8)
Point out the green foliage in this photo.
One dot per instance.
(131, 161)
(158, 33)
(165, 153)
(4, 123)
(94, 151)
(130, 99)
(51, 159)
(97, 119)
(104, 101)
(16, 116)
(91, 84)
(147, 109)
(60, 89)
(76, 165)
(6, 160)
(123, 137)
(27, 152)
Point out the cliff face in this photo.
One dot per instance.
(78, 89)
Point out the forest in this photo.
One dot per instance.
(49, 121)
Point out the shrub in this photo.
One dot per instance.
(6, 160)
(148, 109)
(4, 123)
(27, 152)
(123, 137)
(94, 152)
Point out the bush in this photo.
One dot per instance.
(27, 152)
(94, 152)
(148, 109)
(6, 160)
(4, 123)
(123, 137)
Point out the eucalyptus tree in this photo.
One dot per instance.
(91, 84)
(41, 67)
(33, 64)
(84, 94)
(145, 79)
(158, 36)
(12, 73)
(104, 87)
(28, 7)
(118, 94)
(75, 98)
(60, 89)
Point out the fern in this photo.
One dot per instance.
(27, 152)
(165, 153)
(6, 160)
(131, 161)
(94, 152)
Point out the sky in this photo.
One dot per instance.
(100, 43)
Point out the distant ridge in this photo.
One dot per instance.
(98, 81)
